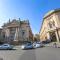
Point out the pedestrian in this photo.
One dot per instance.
(55, 45)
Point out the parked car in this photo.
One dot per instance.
(6, 46)
(37, 44)
(46, 42)
(27, 46)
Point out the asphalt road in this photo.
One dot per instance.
(28, 55)
(46, 53)
(11, 54)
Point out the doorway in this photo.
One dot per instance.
(53, 37)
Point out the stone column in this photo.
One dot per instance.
(16, 35)
(57, 36)
(48, 36)
(7, 34)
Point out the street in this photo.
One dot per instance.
(11, 54)
(45, 53)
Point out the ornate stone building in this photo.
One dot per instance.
(16, 31)
(50, 29)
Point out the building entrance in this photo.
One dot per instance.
(53, 37)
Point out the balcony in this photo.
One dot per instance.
(52, 29)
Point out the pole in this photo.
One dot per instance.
(19, 29)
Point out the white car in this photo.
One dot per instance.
(37, 45)
(6, 46)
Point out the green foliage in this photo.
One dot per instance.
(1, 38)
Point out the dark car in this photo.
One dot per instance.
(27, 46)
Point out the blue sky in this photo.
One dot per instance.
(33, 10)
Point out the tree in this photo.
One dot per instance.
(1, 39)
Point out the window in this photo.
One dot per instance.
(51, 24)
(13, 29)
(23, 32)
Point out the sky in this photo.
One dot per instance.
(33, 10)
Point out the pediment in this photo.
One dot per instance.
(13, 23)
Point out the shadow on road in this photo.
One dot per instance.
(30, 49)
(8, 49)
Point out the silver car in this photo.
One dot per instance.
(27, 46)
(6, 46)
(37, 45)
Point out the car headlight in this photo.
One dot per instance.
(22, 46)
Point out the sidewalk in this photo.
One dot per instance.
(51, 44)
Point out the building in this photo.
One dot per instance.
(16, 31)
(36, 37)
(50, 29)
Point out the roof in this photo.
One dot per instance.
(17, 22)
(50, 12)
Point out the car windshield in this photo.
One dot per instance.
(28, 44)
(5, 45)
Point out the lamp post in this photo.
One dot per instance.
(19, 29)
